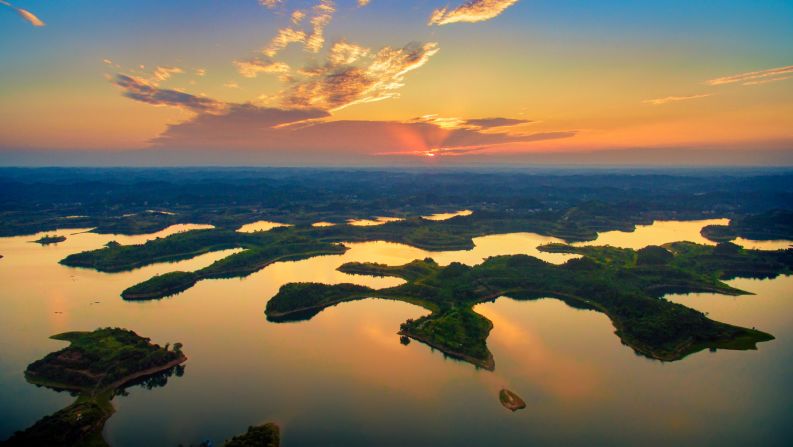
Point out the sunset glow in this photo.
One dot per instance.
(379, 82)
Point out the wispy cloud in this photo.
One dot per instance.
(754, 77)
(344, 53)
(25, 14)
(297, 16)
(282, 39)
(471, 11)
(670, 99)
(471, 123)
(363, 3)
(161, 74)
(271, 4)
(144, 91)
(252, 67)
(489, 123)
(323, 13)
(766, 81)
(314, 39)
(333, 86)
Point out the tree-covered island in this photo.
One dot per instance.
(304, 241)
(627, 285)
(96, 365)
(50, 239)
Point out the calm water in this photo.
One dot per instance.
(343, 378)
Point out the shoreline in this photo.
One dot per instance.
(488, 364)
(112, 386)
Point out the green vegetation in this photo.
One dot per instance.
(625, 284)
(161, 285)
(104, 358)
(300, 242)
(118, 258)
(96, 365)
(299, 297)
(46, 240)
(510, 400)
(267, 435)
(262, 249)
(771, 225)
(79, 424)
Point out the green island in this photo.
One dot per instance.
(50, 239)
(626, 285)
(510, 400)
(771, 225)
(304, 241)
(259, 250)
(96, 366)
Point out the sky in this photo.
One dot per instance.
(392, 82)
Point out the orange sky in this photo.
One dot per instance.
(495, 77)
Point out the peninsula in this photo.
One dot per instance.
(626, 285)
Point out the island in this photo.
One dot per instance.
(626, 285)
(260, 249)
(771, 225)
(304, 241)
(510, 400)
(50, 239)
(267, 435)
(96, 365)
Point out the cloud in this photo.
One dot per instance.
(754, 77)
(270, 4)
(473, 123)
(297, 16)
(144, 91)
(284, 37)
(312, 41)
(344, 53)
(251, 68)
(200, 72)
(766, 81)
(471, 11)
(670, 99)
(363, 3)
(307, 132)
(25, 14)
(161, 74)
(333, 86)
(323, 13)
(489, 123)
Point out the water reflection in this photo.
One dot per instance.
(763, 245)
(658, 233)
(447, 216)
(372, 222)
(345, 369)
(262, 225)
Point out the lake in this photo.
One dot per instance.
(343, 378)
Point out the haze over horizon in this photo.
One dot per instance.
(393, 83)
